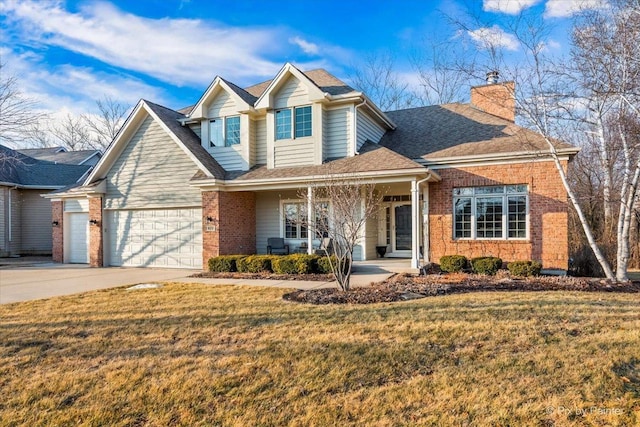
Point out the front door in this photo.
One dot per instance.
(402, 229)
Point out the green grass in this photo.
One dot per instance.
(207, 355)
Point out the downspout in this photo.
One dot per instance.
(355, 127)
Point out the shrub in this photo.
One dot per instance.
(224, 263)
(255, 264)
(453, 263)
(486, 265)
(295, 264)
(324, 266)
(524, 268)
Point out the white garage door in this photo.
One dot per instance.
(77, 226)
(155, 238)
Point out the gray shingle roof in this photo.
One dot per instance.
(65, 157)
(188, 138)
(372, 158)
(320, 77)
(453, 130)
(20, 169)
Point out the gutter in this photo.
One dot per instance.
(355, 127)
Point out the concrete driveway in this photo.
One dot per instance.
(49, 280)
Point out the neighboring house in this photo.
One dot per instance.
(25, 217)
(178, 187)
(61, 155)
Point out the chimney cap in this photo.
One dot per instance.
(493, 77)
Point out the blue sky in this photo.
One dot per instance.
(69, 53)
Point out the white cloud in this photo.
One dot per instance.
(566, 8)
(307, 47)
(70, 87)
(178, 51)
(488, 37)
(511, 7)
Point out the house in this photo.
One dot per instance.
(25, 217)
(221, 177)
(62, 155)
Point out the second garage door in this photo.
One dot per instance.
(155, 238)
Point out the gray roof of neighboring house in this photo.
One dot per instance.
(188, 138)
(22, 170)
(457, 130)
(60, 155)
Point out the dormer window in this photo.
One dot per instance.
(299, 127)
(224, 131)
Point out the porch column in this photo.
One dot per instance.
(310, 228)
(415, 224)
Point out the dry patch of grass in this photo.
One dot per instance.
(222, 355)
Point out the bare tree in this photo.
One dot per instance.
(377, 77)
(104, 126)
(71, 132)
(443, 69)
(17, 111)
(341, 206)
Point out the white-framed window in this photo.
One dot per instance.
(293, 122)
(294, 214)
(491, 212)
(224, 131)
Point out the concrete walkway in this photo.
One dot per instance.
(48, 280)
(24, 281)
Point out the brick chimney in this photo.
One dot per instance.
(495, 98)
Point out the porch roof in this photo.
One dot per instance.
(372, 159)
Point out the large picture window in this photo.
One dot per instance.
(295, 220)
(293, 122)
(492, 212)
(224, 131)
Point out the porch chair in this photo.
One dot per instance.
(326, 246)
(276, 246)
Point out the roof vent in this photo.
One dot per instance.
(492, 77)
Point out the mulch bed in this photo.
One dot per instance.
(402, 287)
(267, 276)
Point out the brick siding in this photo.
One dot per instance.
(57, 214)
(548, 236)
(496, 99)
(95, 232)
(233, 229)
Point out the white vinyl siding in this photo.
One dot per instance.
(336, 133)
(371, 237)
(152, 171)
(155, 238)
(76, 205)
(36, 223)
(3, 225)
(230, 158)
(261, 141)
(297, 152)
(291, 94)
(268, 218)
(196, 128)
(15, 230)
(222, 105)
(367, 129)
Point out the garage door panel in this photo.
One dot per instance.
(78, 224)
(156, 237)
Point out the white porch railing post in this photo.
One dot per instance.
(425, 224)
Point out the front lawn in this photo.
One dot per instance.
(234, 355)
